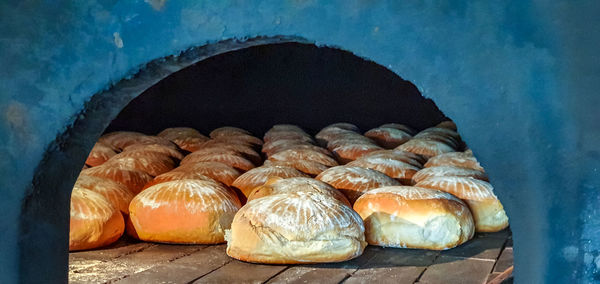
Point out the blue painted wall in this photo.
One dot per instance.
(520, 79)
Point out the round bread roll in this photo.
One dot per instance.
(94, 221)
(274, 150)
(288, 135)
(448, 124)
(292, 228)
(329, 133)
(388, 138)
(487, 210)
(118, 138)
(399, 127)
(228, 131)
(190, 144)
(162, 149)
(222, 147)
(152, 164)
(116, 193)
(457, 159)
(277, 185)
(401, 171)
(233, 160)
(349, 152)
(413, 217)
(308, 167)
(345, 139)
(147, 140)
(407, 157)
(237, 139)
(272, 146)
(177, 175)
(218, 171)
(440, 131)
(304, 154)
(286, 127)
(448, 171)
(258, 176)
(425, 148)
(132, 178)
(175, 133)
(184, 212)
(355, 181)
(343, 125)
(99, 154)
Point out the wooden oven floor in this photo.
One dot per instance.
(127, 261)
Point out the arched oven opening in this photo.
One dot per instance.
(255, 88)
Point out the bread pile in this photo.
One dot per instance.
(289, 197)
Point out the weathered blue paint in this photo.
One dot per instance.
(520, 79)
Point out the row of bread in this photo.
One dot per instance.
(159, 213)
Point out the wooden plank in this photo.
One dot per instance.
(451, 269)
(132, 263)
(398, 275)
(510, 280)
(394, 266)
(185, 269)
(242, 272)
(324, 273)
(124, 246)
(482, 248)
(505, 260)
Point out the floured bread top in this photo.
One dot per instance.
(99, 154)
(216, 170)
(190, 144)
(356, 148)
(357, 178)
(407, 157)
(424, 147)
(153, 165)
(273, 150)
(296, 184)
(178, 175)
(302, 216)
(304, 154)
(399, 127)
(190, 195)
(388, 133)
(462, 187)
(307, 167)
(459, 159)
(91, 206)
(174, 133)
(410, 193)
(258, 176)
(228, 131)
(390, 167)
(448, 171)
(118, 194)
(132, 178)
(288, 135)
(155, 148)
(440, 131)
(236, 161)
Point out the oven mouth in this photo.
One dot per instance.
(142, 98)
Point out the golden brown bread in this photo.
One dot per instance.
(277, 185)
(258, 176)
(184, 211)
(153, 164)
(99, 154)
(132, 178)
(177, 175)
(215, 170)
(233, 160)
(413, 217)
(448, 171)
(308, 167)
(401, 171)
(116, 193)
(355, 181)
(304, 154)
(94, 221)
(426, 148)
(487, 210)
(348, 152)
(300, 227)
(458, 159)
(388, 138)
(162, 149)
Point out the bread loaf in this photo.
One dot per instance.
(258, 176)
(94, 221)
(184, 212)
(487, 210)
(448, 171)
(277, 185)
(355, 181)
(413, 217)
(294, 228)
